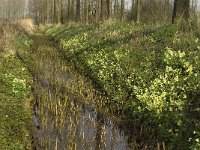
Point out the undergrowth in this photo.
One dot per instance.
(15, 113)
(151, 73)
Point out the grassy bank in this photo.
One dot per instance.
(151, 73)
(15, 112)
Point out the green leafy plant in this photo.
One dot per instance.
(140, 74)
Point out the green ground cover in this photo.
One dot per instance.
(152, 73)
(15, 112)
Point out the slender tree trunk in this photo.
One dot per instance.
(122, 10)
(115, 8)
(61, 12)
(78, 10)
(138, 10)
(73, 10)
(181, 10)
(109, 7)
(97, 10)
(86, 11)
(102, 10)
(132, 10)
(69, 10)
(55, 12)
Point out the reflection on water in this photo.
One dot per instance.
(66, 124)
(68, 113)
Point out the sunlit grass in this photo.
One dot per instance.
(14, 105)
(126, 59)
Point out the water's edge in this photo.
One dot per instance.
(68, 113)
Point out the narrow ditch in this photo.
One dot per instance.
(68, 113)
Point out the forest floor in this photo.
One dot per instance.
(15, 81)
(149, 74)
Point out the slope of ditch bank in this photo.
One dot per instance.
(68, 112)
(143, 83)
(151, 74)
(15, 81)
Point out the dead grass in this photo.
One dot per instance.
(8, 31)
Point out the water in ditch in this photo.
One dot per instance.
(69, 114)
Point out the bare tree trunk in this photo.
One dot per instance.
(78, 10)
(54, 12)
(69, 10)
(73, 10)
(138, 10)
(194, 6)
(109, 7)
(61, 12)
(181, 10)
(122, 10)
(86, 11)
(116, 8)
(102, 10)
(97, 10)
